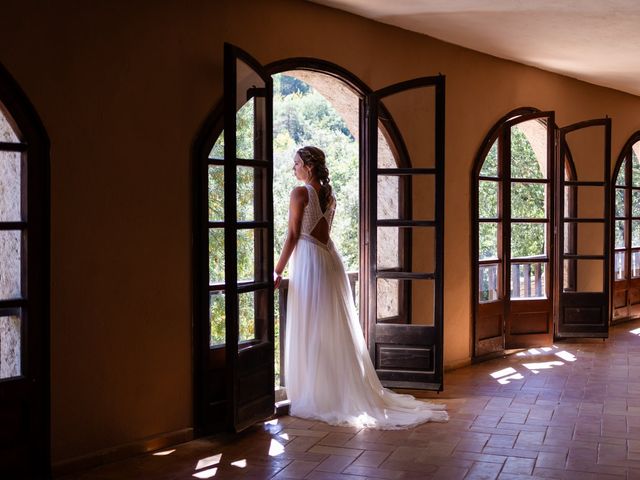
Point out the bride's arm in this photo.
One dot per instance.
(296, 209)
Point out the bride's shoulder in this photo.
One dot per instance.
(300, 194)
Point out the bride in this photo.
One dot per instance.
(329, 373)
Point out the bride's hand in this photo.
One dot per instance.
(276, 281)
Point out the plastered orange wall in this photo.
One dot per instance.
(122, 88)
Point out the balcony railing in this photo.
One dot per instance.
(527, 279)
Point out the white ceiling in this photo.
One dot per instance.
(597, 41)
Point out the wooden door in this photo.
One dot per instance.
(234, 337)
(248, 239)
(24, 288)
(527, 233)
(513, 236)
(583, 274)
(405, 237)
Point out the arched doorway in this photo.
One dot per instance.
(512, 239)
(540, 232)
(388, 274)
(626, 212)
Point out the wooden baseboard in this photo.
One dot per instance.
(121, 452)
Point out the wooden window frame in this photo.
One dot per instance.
(34, 302)
(626, 154)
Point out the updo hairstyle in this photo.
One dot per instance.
(314, 158)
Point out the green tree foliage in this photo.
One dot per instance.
(527, 202)
(245, 238)
(301, 116)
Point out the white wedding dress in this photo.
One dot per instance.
(328, 372)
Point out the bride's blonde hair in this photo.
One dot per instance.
(314, 158)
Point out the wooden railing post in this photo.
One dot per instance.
(515, 280)
(527, 279)
(538, 277)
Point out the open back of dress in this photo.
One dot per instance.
(315, 222)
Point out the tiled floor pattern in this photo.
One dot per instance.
(571, 411)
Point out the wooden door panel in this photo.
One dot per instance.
(405, 357)
(530, 324)
(633, 292)
(489, 329)
(528, 307)
(249, 363)
(584, 314)
(406, 342)
(584, 308)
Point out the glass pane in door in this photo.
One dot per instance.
(8, 133)
(10, 187)
(10, 346)
(10, 264)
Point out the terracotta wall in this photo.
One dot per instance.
(122, 88)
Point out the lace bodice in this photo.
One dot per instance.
(313, 213)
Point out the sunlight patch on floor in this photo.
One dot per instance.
(569, 357)
(276, 448)
(208, 461)
(240, 463)
(635, 331)
(536, 367)
(211, 472)
(163, 453)
(503, 372)
(536, 351)
(505, 375)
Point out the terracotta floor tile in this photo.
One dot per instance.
(450, 473)
(300, 444)
(551, 460)
(371, 458)
(519, 465)
(484, 471)
(501, 441)
(416, 467)
(470, 446)
(296, 469)
(372, 472)
(335, 463)
(336, 439)
(316, 475)
(348, 452)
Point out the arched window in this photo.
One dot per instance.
(513, 199)
(626, 207)
(24, 285)
(233, 206)
(536, 206)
